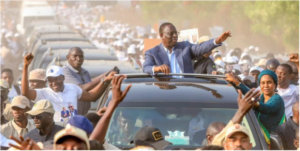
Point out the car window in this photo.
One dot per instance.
(182, 126)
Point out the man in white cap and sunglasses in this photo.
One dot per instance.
(60, 94)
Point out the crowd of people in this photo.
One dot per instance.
(50, 109)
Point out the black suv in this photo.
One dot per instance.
(180, 105)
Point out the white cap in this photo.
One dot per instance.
(220, 63)
(9, 34)
(231, 59)
(131, 49)
(256, 68)
(54, 71)
(119, 43)
(244, 62)
(215, 54)
(244, 54)
(125, 40)
(243, 77)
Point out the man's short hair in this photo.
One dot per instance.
(162, 26)
(93, 117)
(287, 66)
(270, 56)
(6, 70)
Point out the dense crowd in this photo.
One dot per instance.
(49, 110)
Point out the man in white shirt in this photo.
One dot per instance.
(288, 92)
(60, 94)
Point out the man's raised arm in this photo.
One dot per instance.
(26, 91)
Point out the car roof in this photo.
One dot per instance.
(98, 67)
(179, 89)
(66, 45)
(61, 35)
(90, 54)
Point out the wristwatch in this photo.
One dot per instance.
(103, 80)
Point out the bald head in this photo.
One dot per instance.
(75, 57)
(75, 49)
(213, 129)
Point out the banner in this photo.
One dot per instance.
(150, 43)
(190, 35)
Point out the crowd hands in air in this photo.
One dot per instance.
(28, 119)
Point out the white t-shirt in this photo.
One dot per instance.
(12, 93)
(289, 96)
(70, 95)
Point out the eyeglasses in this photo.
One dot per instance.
(172, 33)
(40, 116)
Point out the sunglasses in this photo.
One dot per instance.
(40, 116)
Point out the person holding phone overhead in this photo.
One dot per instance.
(269, 110)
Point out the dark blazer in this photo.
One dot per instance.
(185, 52)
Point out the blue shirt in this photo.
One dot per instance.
(173, 61)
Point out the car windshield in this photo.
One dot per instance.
(182, 126)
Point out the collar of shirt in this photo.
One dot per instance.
(292, 123)
(19, 129)
(74, 70)
(52, 131)
(167, 50)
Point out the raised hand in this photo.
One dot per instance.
(223, 37)
(162, 68)
(294, 57)
(28, 58)
(27, 144)
(110, 76)
(247, 102)
(118, 95)
(231, 78)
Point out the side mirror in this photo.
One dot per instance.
(20, 67)
(276, 142)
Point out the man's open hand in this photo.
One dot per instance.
(223, 37)
(250, 98)
(27, 144)
(27, 59)
(162, 68)
(118, 95)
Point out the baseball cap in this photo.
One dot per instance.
(262, 62)
(4, 84)
(236, 128)
(37, 74)
(41, 107)
(54, 71)
(255, 68)
(250, 78)
(81, 122)
(72, 131)
(150, 136)
(20, 102)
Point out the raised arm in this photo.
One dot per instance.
(272, 106)
(237, 83)
(26, 91)
(97, 91)
(244, 106)
(204, 47)
(117, 97)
